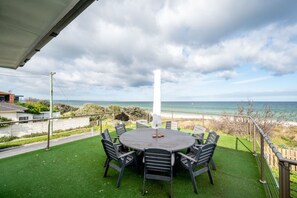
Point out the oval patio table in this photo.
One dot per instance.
(142, 138)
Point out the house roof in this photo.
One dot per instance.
(4, 93)
(27, 26)
(8, 107)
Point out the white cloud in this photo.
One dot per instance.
(227, 74)
(252, 80)
(115, 45)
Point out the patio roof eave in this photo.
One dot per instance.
(27, 26)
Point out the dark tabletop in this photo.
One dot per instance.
(142, 138)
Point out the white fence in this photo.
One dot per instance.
(39, 127)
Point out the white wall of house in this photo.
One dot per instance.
(10, 115)
(15, 116)
(39, 127)
(27, 116)
(46, 114)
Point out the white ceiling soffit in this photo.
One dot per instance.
(27, 25)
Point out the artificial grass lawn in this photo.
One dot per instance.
(76, 170)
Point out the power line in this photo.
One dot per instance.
(61, 90)
(23, 76)
(25, 85)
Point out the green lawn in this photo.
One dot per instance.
(76, 170)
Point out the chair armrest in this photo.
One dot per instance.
(118, 144)
(126, 154)
(187, 157)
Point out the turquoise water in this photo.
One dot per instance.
(289, 109)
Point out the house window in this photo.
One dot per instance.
(23, 118)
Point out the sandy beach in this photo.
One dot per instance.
(167, 115)
(188, 116)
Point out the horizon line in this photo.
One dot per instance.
(177, 100)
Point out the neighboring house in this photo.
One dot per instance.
(17, 113)
(14, 112)
(9, 97)
(6, 97)
(46, 114)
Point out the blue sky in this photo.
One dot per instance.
(207, 51)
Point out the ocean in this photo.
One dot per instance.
(287, 109)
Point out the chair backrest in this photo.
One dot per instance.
(141, 124)
(171, 125)
(205, 153)
(158, 160)
(106, 136)
(199, 136)
(212, 137)
(199, 129)
(120, 129)
(110, 149)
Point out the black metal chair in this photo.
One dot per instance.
(199, 157)
(106, 136)
(158, 165)
(141, 124)
(198, 133)
(171, 125)
(113, 153)
(120, 129)
(212, 138)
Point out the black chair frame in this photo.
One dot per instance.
(158, 165)
(212, 138)
(123, 159)
(192, 161)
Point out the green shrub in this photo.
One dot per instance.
(34, 135)
(2, 119)
(7, 138)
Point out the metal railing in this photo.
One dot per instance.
(268, 177)
(279, 180)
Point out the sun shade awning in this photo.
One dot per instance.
(27, 25)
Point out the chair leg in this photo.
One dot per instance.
(106, 167)
(120, 176)
(210, 175)
(105, 163)
(213, 164)
(170, 195)
(143, 185)
(135, 161)
(193, 181)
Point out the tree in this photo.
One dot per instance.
(35, 107)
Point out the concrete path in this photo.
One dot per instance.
(42, 145)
